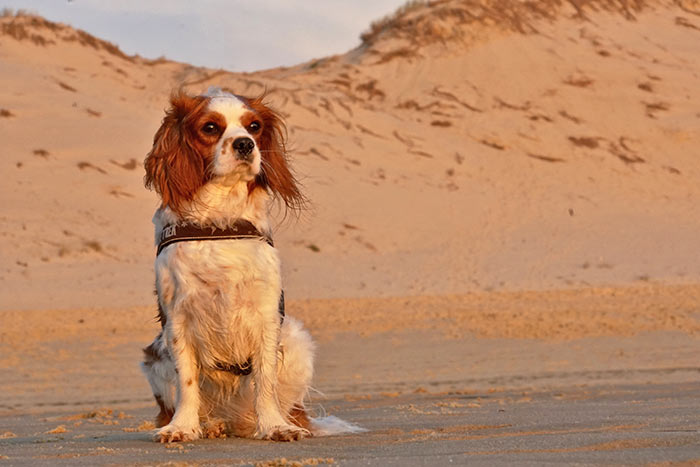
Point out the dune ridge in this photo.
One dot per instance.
(458, 22)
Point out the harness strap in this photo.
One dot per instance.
(237, 369)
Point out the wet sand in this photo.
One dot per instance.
(434, 380)
(619, 424)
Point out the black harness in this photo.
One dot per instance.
(240, 230)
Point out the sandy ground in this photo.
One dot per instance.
(626, 424)
(434, 380)
(499, 261)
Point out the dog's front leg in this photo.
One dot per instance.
(185, 425)
(271, 424)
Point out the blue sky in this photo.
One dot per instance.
(231, 34)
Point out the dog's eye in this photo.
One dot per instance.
(254, 127)
(210, 128)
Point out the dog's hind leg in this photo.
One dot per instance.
(160, 372)
(294, 371)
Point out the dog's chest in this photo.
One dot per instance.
(222, 292)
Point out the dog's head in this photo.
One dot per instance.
(223, 137)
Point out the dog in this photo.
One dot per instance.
(227, 360)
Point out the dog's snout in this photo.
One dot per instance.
(243, 146)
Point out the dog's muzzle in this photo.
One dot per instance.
(244, 148)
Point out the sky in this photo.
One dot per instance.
(231, 34)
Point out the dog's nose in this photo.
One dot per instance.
(243, 146)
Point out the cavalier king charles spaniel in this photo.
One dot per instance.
(227, 361)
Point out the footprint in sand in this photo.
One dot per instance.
(131, 164)
(87, 165)
(654, 108)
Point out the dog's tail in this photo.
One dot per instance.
(331, 425)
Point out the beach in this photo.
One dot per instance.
(498, 261)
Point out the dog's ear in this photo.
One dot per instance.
(173, 167)
(275, 174)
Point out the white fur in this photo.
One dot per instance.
(331, 425)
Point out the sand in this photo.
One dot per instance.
(503, 214)
(467, 378)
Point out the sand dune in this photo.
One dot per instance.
(494, 148)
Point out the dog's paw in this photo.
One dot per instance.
(214, 430)
(172, 434)
(284, 433)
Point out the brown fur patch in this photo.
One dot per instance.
(299, 417)
(162, 316)
(176, 167)
(151, 354)
(275, 174)
(165, 415)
